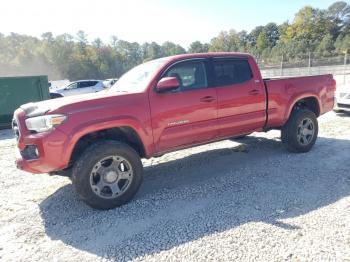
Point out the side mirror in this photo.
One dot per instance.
(167, 84)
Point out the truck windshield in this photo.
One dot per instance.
(137, 79)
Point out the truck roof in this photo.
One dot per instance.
(208, 55)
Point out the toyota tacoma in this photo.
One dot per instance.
(161, 106)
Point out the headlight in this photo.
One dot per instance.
(44, 123)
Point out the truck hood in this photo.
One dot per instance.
(68, 104)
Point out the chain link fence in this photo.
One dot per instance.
(338, 65)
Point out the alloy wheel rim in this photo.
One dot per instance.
(305, 132)
(111, 176)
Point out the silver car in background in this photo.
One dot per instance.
(110, 82)
(78, 87)
(342, 98)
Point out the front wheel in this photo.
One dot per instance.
(300, 132)
(107, 175)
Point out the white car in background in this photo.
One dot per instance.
(56, 84)
(78, 88)
(110, 82)
(342, 98)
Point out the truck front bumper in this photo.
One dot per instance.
(41, 152)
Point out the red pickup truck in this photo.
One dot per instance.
(158, 107)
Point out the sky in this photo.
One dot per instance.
(179, 21)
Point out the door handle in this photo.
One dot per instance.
(207, 99)
(254, 92)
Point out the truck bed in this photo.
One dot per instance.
(283, 92)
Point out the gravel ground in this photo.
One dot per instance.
(225, 201)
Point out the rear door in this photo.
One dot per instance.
(241, 98)
(187, 115)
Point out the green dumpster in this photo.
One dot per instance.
(16, 91)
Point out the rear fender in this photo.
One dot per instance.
(293, 101)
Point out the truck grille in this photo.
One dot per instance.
(15, 128)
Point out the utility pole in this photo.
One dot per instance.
(345, 62)
(309, 62)
(281, 72)
(346, 56)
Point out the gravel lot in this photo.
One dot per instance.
(250, 200)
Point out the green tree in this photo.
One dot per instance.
(262, 42)
(310, 25)
(151, 51)
(225, 42)
(169, 49)
(272, 33)
(198, 47)
(254, 34)
(82, 37)
(342, 43)
(326, 46)
(339, 14)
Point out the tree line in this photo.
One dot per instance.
(322, 32)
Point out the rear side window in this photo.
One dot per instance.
(87, 84)
(93, 83)
(233, 71)
(84, 84)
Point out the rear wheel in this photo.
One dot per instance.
(107, 175)
(300, 132)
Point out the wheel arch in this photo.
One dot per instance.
(124, 129)
(124, 134)
(310, 102)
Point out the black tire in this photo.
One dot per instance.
(289, 132)
(82, 171)
(240, 137)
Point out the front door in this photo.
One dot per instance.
(187, 115)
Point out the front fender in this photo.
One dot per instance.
(104, 123)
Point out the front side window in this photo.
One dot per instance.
(72, 86)
(191, 75)
(233, 71)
